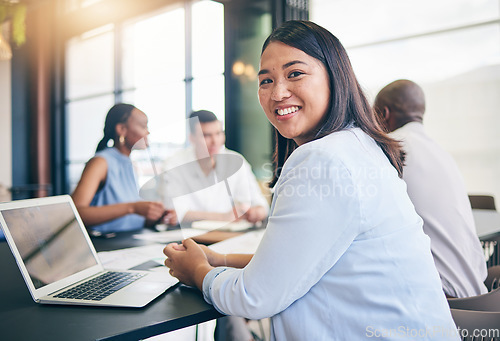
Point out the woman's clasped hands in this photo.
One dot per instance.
(190, 262)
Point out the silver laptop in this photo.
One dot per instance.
(59, 262)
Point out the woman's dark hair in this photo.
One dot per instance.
(348, 104)
(119, 113)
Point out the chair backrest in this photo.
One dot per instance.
(486, 302)
(485, 202)
(477, 325)
(492, 281)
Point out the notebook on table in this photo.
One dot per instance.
(60, 264)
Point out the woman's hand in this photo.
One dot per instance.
(151, 210)
(170, 218)
(215, 259)
(187, 262)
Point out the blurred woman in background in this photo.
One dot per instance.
(107, 195)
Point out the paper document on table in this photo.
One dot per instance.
(165, 237)
(246, 243)
(233, 226)
(130, 257)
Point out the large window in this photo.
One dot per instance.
(452, 49)
(167, 64)
(89, 91)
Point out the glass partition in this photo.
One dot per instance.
(166, 63)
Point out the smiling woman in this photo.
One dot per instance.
(294, 91)
(333, 231)
(326, 86)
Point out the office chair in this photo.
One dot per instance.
(484, 202)
(486, 302)
(492, 281)
(490, 247)
(477, 325)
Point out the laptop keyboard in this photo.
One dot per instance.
(101, 286)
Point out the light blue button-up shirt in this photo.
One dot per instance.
(343, 257)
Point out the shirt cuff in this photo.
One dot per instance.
(208, 280)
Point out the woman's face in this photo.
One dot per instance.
(137, 130)
(294, 91)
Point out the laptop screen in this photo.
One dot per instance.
(50, 241)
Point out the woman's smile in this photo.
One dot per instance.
(285, 113)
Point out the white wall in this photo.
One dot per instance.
(457, 64)
(5, 127)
